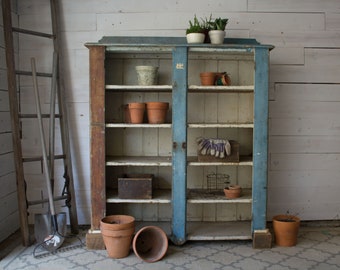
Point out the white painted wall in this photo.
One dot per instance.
(304, 144)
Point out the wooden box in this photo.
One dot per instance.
(135, 186)
(234, 156)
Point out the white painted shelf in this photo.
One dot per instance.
(193, 196)
(226, 230)
(125, 125)
(158, 196)
(137, 161)
(166, 161)
(206, 196)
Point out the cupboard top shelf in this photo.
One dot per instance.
(114, 42)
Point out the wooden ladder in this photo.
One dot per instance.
(68, 193)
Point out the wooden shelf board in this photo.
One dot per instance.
(244, 161)
(158, 196)
(166, 161)
(139, 88)
(191, 88)
(128, 125)
(137, 161)
(221, 125)
(220, 88)
(229, 230)
(205, 196)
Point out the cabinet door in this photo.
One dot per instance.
(136, 151)
(220, 113)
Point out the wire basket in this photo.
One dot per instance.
(217, 182)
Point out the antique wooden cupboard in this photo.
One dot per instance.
(180, 204)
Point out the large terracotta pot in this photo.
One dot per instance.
(150, 244)
(156, 112)
(286, 229)
(117, 232)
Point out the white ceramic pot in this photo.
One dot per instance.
(195, 38)
(216, 36)
(147, 75)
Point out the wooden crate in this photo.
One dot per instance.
(234, 156)
(135, 186)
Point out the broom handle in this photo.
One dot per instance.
(42, 137)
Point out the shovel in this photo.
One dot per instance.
(48, 227)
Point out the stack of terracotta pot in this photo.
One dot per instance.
(149, 244)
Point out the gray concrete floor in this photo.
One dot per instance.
(317, 248)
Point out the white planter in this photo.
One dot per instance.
(195, 38)
(216, 36)
(147, 75)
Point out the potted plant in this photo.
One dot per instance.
(286, 228)
(217, 32)
(207, 25)
(195, 32)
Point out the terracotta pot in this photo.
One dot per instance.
(156, 112)
(118, 243)
(286, 229)
(208, 78)
(117, 232)
(117, 222)
(136, 111)
(150, 244)
(233, 191)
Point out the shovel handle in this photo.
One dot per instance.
(42, 137)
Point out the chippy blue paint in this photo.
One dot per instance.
(179, 138)
(260, 139)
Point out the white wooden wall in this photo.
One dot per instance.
(304, 144)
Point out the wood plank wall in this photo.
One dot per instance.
(9, 218)
(304, 144)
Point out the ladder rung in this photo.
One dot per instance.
(58, 198)
(35, 116)
(32, 159)
(33, 33)
(29, 73)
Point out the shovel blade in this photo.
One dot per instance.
(45, 233)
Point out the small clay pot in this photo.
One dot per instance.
(232, 191)
(208, 78)
(156, 112)
(136, 112)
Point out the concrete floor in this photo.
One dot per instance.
(317, 248)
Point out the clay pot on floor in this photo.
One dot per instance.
(136, 112)
(286, 229)
(232, 191)
(150, 244)
(208, 78)
(156, 112)
(117, 232)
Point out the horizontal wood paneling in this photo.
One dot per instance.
(304, 79)
(293, 5)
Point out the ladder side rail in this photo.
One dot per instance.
(64, 121)
(13, 100)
